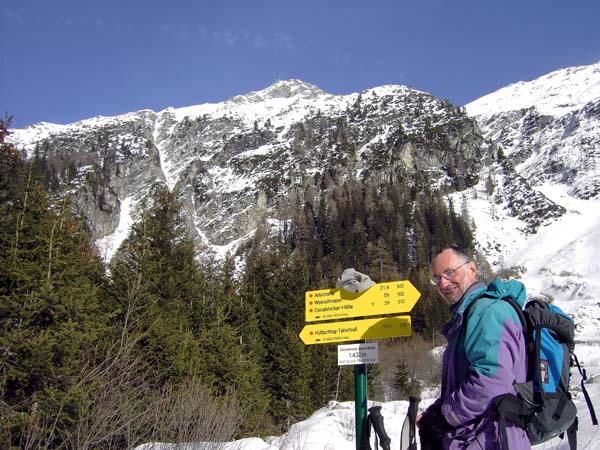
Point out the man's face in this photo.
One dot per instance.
(462, 276)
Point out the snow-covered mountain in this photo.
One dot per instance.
(528, 171)
(524, 162)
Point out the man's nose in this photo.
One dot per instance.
(443, 282)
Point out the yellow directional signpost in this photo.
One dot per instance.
(355, 330)
(382, 299)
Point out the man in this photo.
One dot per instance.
(482, 359)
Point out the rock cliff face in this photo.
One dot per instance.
(549, 127)
(241, 162)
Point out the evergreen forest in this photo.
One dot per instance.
(162, 345)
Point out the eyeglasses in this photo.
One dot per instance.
(435, 280)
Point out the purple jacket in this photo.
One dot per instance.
(481, 361)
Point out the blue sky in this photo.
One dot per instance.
(64, 61)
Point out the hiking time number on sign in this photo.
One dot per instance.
(382, 298)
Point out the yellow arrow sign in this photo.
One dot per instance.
(355, 330)
(382, 298)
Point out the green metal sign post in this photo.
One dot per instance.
(360, 402)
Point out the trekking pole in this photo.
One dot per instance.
(408, 439)
(377, 420)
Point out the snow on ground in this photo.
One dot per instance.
(559, 261)
(108, 245)
(332, 428)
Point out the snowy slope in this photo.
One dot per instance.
(332, 428)
(558, 262)
(554, 94)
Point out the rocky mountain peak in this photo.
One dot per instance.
(281, 89)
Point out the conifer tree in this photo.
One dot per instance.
(379, 262)
(190, 316)
(403, 383)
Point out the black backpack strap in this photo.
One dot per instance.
(560, 407)
(519, 312)
(588, 400)
(511, 408)
(508, 300)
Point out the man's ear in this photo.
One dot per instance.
(472, 267)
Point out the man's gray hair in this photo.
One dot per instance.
(462, 253)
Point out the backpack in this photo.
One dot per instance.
(543, 406)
